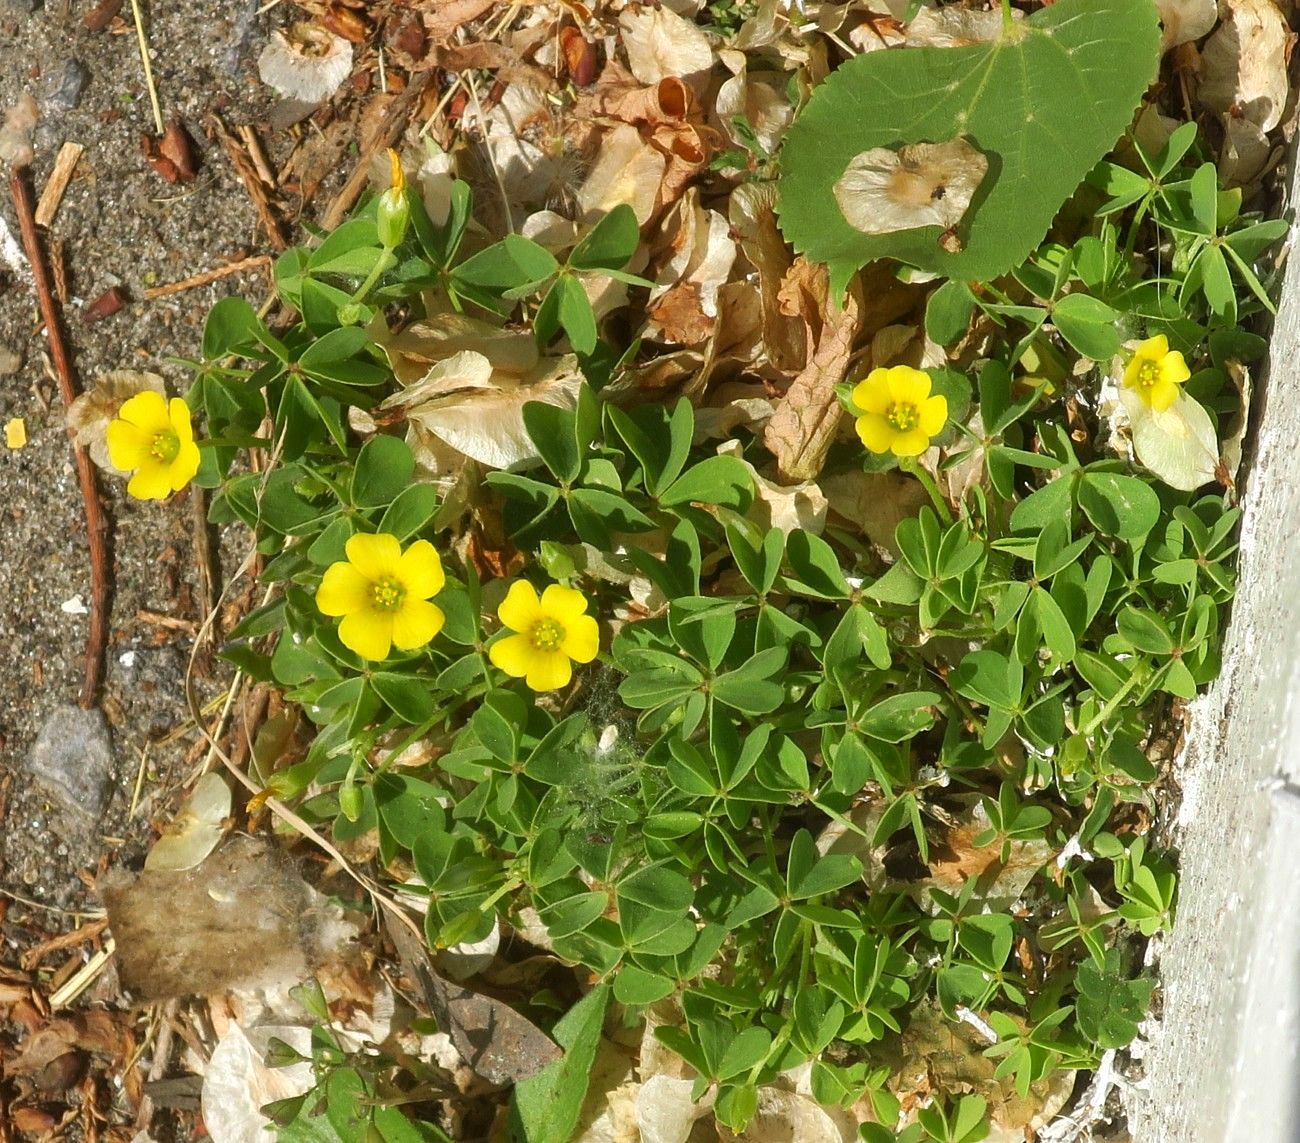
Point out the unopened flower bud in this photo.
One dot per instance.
(394, 213)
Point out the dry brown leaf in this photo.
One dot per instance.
(752, 213)
(450, 15)
(173, 156)
(1244, 64)
(660, 44)
(695, 253)
(305, 62)
(475, 410)
(1247, 154)
(1182, 21)
(758, 97)
(809, 415)
(677, 316)
(956, 859)
(875, 502)
(627, 170)
(935, 1053)
(496, 1041)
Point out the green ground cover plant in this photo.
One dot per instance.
(819, 791)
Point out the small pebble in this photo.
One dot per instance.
(72, 761)
(64, 85)
(10, 360)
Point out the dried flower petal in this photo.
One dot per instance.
(920, 184)
(89, 415)
(305, 62)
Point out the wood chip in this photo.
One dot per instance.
(101, 15)
(57, 185)
(106, 305)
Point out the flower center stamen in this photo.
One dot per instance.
(387, 594)
(166, 446)
(1148, 374)
(546, 635)
(903, 416)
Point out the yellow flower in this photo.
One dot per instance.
(898, 413)
(1155, 373)
(549, 632)
(383, 595)
(153, 438)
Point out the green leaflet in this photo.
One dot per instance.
(1043, 104)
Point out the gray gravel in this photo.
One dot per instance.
(120, 224)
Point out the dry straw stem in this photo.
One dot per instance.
(148, 67)
(57, 185)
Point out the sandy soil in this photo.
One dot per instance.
(120, 224)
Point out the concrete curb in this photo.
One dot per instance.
(1223, 1066)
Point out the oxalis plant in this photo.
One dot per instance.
(795, 797)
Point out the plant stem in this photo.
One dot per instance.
(1006, 15)
(910, 465)
(382, 263)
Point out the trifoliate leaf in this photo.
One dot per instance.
(1016, 99)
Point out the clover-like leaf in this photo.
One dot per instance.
(1015, 99)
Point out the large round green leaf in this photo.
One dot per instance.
(1043, 103)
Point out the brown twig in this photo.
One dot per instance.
(96, 529)
(248, 174)
(195, 280)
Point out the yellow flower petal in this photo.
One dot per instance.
(146, 410)
(1173, 368)
(1154, 348)
(1161, 395)
(374, 556)
(876, 432)
(342, 590)
(911, 443)
(871, 395)
(178, 414)
(1131, 371)
(549, 671)
(934, 415)
(128, 445)
(183, 469)
(907, 385)
(563, 604)
(420, 571)
(521, 608)
(415, 623)
(581, 639)
(513, 654)
(150, 482)
(368, 633)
